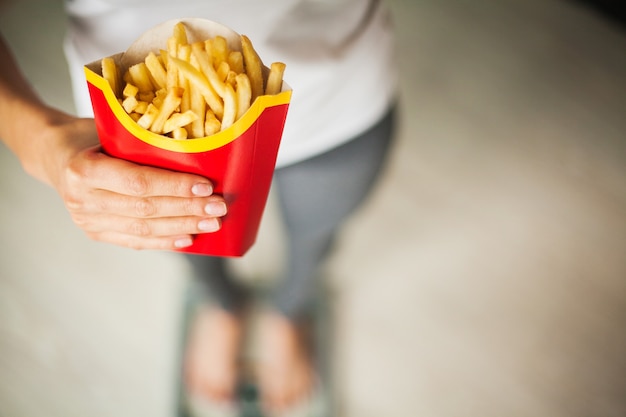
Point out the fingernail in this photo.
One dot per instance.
(209, 225)
(183, 243)
(215, 208)
(202, 189)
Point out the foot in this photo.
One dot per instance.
(285, 372)
(211, 359)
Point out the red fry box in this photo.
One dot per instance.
(239, 160)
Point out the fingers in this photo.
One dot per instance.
(157, 227)
(96, 170)
(102, 201)
(140, 243)
(141, 207)
(158, 233)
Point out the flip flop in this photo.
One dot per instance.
(320, 402)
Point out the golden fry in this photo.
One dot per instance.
(184, 53)
(211, 124)
(130, 104)
(142, 106)
(218, 50)
(222, 70)
(230, 107)
(159, 75)
(170, 104)
(244, 94)
(197, 79)
(253, 67)
(178, 120)
(275, 78)
(198, 106)
(235, 61)
(148, 96)
(130, 91)
(158, 97)
(110, 73)
(230, 78)
(180, 133)
(192, 90)
(207, 68)
(180, 33)
(140, 77)
(148, 117)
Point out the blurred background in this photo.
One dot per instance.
(485, 277)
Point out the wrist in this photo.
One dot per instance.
(45, 141)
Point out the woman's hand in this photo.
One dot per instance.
(111, 200)
(123, 203)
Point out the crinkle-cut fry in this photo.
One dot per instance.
(230, 107)
(177, 120)
(159, 75)
(253, 67)
(275, 78)
(199, 80)
(170, 104)
(111, 73)
(244, 94)
(211, 124)
(206, 67)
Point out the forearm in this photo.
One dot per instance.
(25, 120)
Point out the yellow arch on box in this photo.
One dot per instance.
(187, 145)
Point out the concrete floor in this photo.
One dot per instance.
(485, 277)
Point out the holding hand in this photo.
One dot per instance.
(126, 204)
(112, 200)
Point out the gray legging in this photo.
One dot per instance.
(316, 196)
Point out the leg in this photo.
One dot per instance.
(316, 197)
(215, 333)
(214, 283)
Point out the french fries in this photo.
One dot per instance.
(110, 73)
(192, 90)
(253, 66)
(275, 78)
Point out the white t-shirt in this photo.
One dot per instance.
(339, 56)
